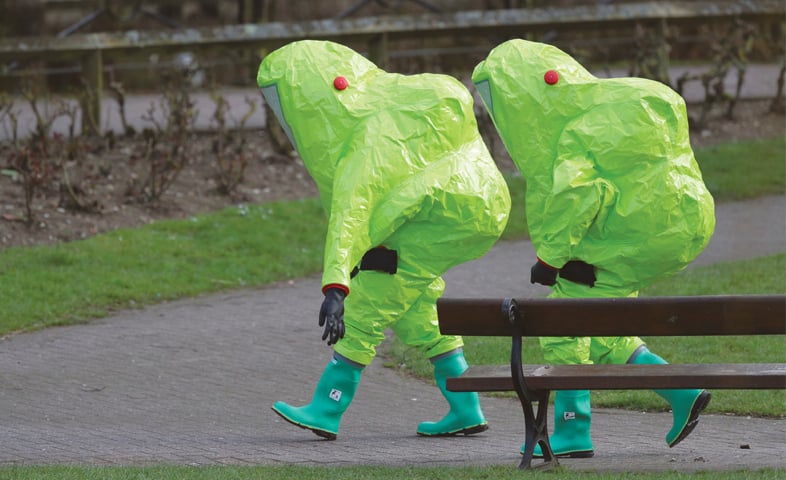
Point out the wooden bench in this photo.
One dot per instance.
(660, 316)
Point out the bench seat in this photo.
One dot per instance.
(498, 378)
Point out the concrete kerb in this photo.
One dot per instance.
(191, 382)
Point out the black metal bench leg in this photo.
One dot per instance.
(536, 433)
(535, 426)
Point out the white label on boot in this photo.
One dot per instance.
(335, 395)
(569, 416)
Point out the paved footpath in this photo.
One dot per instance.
(192, 381)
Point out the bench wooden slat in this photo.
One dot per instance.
(643, 316)
(620, 377)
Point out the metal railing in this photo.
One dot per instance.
(91, 50)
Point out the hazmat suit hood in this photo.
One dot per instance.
(323, 120)
(611, 177)
(297, 82)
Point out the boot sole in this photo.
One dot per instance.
(321, 433)
(698, 406)
(465, 431)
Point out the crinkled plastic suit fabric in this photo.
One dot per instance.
(611, 177)
(389, 151)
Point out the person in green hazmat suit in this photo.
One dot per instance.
(410, 190)
(614, 201)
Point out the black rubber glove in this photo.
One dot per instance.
(331, 315)
(543, 274)
(579, 272)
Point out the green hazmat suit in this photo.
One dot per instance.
(612, 182)
(399, 163)
(611, 176)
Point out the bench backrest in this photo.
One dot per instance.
(589, 317)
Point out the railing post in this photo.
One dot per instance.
(378, 50)
(248, 11)
(92, 71)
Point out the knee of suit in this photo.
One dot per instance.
(566, 350)
(614, 350)
(358, 345)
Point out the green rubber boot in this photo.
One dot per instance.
(572, 420)
(686, 405)
(332, 397)
(465, 416)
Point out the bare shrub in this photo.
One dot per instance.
(36, 160)
(229, 150)
(166, 144)
(730, 52)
